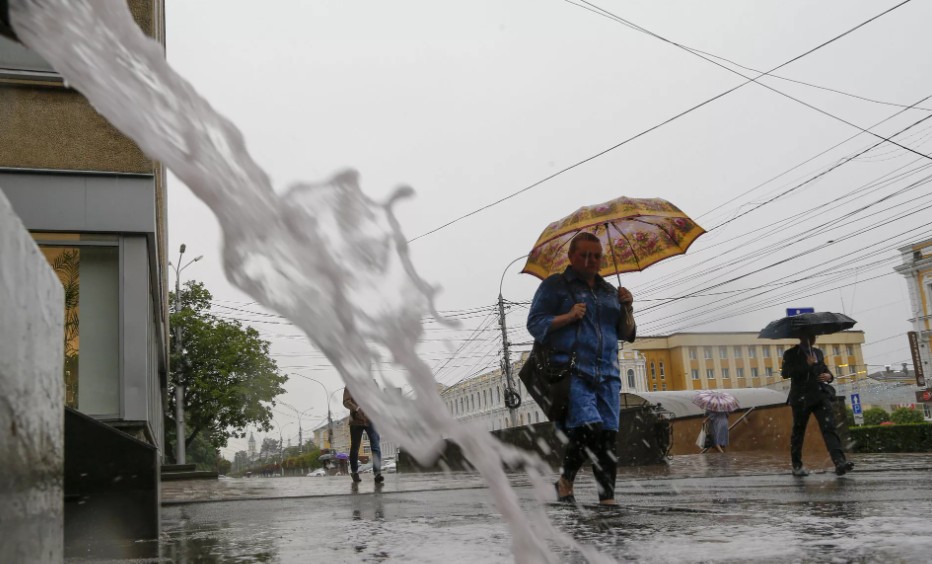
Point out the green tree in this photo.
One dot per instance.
(875, 416)
(906, 415)
(230, 380)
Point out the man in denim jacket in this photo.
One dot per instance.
(578, 311)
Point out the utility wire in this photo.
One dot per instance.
(648, 130)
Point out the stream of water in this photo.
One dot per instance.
(326, 256)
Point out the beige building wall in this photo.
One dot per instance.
(46, 126)
(917, 270)
(699, 361)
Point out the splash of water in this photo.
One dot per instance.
(324, 255)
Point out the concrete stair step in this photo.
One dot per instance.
(171, 468)
(191, 475)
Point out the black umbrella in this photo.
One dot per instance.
(795, 326)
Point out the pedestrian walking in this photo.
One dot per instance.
(359, 423)
(581, 317)
(810, 393)
(717, 434)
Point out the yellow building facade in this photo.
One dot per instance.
(917, 269)
(700, 361)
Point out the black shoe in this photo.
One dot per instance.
(379, 478)
(843, 468)
(800, 472)
(355, 477)
(564, 498)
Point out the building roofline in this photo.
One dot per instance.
(667, 336)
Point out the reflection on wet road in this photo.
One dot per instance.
(722, 508)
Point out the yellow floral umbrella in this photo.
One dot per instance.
(636, 233)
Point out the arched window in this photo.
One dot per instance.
(631, 383)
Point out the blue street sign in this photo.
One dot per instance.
(791, 311)
(856, 403)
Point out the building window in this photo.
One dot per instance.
(752, 351)
(663, 387)
(662, 373)
(723, 352)
(737, 351)
(653, 373)
(780, 350)
(849, 350)
(655, 387)
(631, 383)
(91, 279)
(694, 373)
(710, 374)
(754, 373)
(836, 350)
(766, 351)
(707, 352)
(740, 372)
(725, 374)
(769, 371)
(692, 353)
(17, 57)
(498, 395)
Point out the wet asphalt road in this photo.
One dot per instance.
(703, 508)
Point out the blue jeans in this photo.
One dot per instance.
(356, 441)
(594, 403)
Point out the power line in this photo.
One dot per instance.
(648, 130)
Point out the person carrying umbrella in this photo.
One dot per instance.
(810, 392)
(581, 317)
(577, 310)
(717, 406)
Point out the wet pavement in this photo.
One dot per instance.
(699, 508)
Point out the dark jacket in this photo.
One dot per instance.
(805, 388)
(357, 417)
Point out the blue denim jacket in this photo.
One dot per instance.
(596, 345)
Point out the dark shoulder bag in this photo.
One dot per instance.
(818, 368)
(548, 381)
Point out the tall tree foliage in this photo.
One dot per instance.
(230, 380)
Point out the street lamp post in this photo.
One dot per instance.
(512, 397)
(299, 415)
(179, 388)
(281, 451)
(329, 417)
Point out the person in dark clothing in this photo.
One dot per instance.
(805, 366)
(359, 423)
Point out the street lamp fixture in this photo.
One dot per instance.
(179, 388)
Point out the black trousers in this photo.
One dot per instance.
(598, 446)
(826, 419)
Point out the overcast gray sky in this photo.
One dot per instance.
(469, 102)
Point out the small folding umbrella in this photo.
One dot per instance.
(715, 400)
(636, 233)
(796, 326)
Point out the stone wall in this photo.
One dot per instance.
(31, 398)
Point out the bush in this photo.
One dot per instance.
(875, 416)
(915, 437)
(906, 415)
